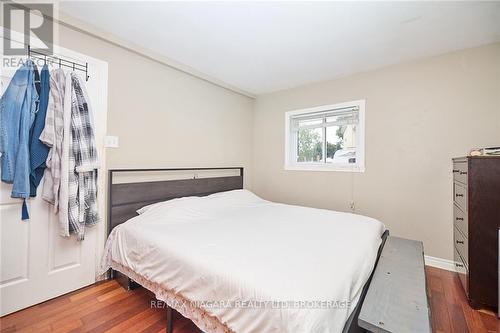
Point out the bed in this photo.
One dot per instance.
(233, 262)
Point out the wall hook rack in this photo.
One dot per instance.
(75, 66)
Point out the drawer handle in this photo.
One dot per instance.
(460, 242)
(459, 218)
(463, 172)
(456, 171)
(458, 265)
(459, 195)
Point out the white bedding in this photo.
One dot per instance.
(233, 247)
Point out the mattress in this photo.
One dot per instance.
(233, 262)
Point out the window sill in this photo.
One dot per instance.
(321, 167)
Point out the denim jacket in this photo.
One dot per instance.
(17, 113)
(38, 150)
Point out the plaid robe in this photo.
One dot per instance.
(83, 163)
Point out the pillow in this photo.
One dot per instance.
(228, 196)
(144, 209)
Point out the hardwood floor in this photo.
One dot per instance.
(104, 307)
(107, 307)
(449, 307)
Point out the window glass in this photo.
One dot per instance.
(310, 145)
(341, 144)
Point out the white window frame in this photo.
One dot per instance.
(359, 166)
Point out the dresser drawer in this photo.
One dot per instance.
(460, 195)
(460, 220)
(462, 271)
(460, 172)
(462, 245)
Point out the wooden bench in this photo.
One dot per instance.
(396, 300)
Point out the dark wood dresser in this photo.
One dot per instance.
(476, 216)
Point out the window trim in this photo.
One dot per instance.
(359, 166)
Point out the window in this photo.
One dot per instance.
(326, 138)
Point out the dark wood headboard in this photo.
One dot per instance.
(125, 198)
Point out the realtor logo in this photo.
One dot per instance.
(35, 20)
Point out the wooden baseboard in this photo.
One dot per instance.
(446, 264)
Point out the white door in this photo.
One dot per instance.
(36, 263)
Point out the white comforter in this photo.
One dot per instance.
(255, 265)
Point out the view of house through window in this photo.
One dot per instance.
(340, 144)
(326, 137)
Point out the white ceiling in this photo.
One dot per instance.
(260, 47)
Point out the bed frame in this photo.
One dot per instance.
(125, 198)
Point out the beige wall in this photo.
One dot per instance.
(164, 117)
(418, 116)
